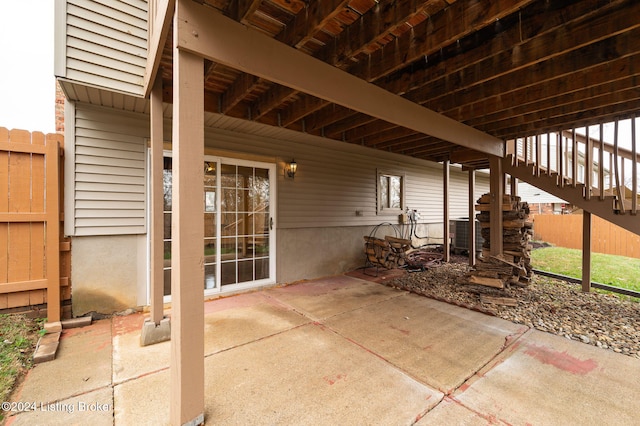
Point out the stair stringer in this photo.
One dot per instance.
(574, 195)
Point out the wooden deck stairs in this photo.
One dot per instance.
(598, 177)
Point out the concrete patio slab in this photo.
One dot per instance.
(439, 344)
(307, 375)
(326, 297)
(83, 363)
(92, 408)
(547, 379)
(343, 352)
(229, 322)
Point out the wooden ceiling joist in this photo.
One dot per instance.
(250, 51)
(503, 68)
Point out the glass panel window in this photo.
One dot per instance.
(390, 193)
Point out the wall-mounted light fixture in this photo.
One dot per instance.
(291, 169)
(208, 167)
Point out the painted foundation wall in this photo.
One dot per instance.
(107, 273)
(341, 249)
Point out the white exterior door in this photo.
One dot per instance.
(239, 241)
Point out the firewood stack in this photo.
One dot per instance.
(390, 252)
(514, 265)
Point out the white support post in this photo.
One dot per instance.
(187, 273)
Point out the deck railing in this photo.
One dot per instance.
(602, 159)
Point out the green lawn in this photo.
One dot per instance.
(617, 271)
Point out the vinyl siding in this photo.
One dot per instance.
(106, 44)
(110, 172)
(334, 179)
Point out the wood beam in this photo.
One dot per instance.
(373, 22)
(356, 38)
(304, 26)
(187, 270)
(300, 109)
(586, 251)
(559, 106)
(411, 141)
(156, 205)
(573, 84)
(601, 114)
(460, 19)
(271, 99)
(482, 73)
(330, 114)
(378, 23)
(235, 93)
(52, 231)
(353, 121)
(466, 155)
(310, 20)
(250, 51)
(496, 184)
(499, 57)
(472, 217)
(446, 231)
(430, 149)
(160, 18)
(241, 9)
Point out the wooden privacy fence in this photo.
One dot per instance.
(566, 231)
(30, 215)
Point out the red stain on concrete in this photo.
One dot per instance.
(334, 379)
(403, 331)
(128, 324)
(561, 360)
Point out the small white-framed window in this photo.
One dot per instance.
(390, 192)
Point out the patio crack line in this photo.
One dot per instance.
(207, 355)
(510, 341)
(210, 354)
(377, 355)
(313, 319)
(510, 344)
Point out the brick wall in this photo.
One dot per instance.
(59, 109)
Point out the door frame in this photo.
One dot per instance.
(219, 289)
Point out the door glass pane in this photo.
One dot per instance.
(228, 176)
(245, 271)
(262, 268)
(209, 225)
(245, 176)
(228, 273)
(210, 250)
(229, 200)
(261, 243)
(209, 276)
(229, 248)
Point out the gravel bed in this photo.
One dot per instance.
(602, 320)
